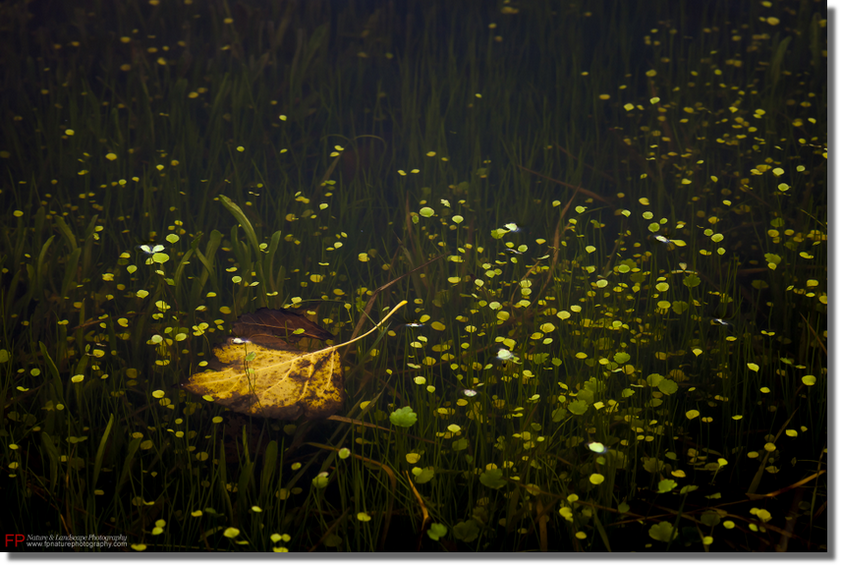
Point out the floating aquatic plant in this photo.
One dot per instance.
(613, 249)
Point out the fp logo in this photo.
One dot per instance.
(14, 539)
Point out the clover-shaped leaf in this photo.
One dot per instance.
(666, 485)
(578, 407)
(662, 531)
(403, 417)
(423, 476)
(466, 531)
(436, 531)
(493, 479)
(668, 386)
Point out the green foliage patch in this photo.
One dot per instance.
(613, 246)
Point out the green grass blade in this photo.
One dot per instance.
(601, 530)
(100, 452)
(53, 369)
(39, 272)
(66, 232)
(223, 482)
(270, 462)
(134, 445)
(238, 213)
(52, 453)
(777, 60)
(70, 271)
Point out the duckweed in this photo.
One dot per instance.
(609, 224)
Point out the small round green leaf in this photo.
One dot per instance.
(403, 417)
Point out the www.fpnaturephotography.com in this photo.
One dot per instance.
(70, 542)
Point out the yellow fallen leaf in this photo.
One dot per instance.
(263, 375)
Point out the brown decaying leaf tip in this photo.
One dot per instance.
(279, 322)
